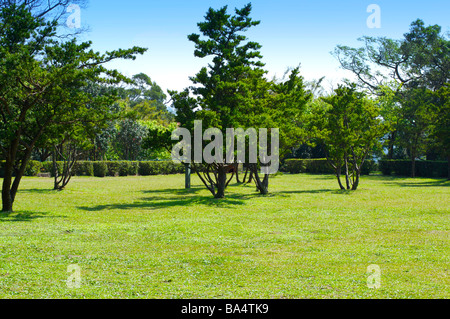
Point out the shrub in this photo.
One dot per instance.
(33, 168)
(113, 168)
(144, 168)
(100, 169)
(320, 166)
(133, 168)
(83, 168)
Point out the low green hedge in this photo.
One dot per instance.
(33, 168)
(320, 166)
(100, 169)
(423, 168)
(105, 168)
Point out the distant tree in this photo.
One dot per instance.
(129, 138)
(146, 100)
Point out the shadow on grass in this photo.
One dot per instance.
(161, 202)
(24, 216)
(317, 191)
(37, 190)
(177, 191)
(417, 182)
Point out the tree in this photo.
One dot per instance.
(440, 128)
(421, 58)
(349, 126)
(146, 100)
(415, 123)
(221, 88)
(280, 105)
(41, 86)
(418, 62)
(129, 138)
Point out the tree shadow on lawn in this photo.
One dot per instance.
(175, 191)
(37, 190)
(318, 191)
(416, 182)
(161, 202)
(24, 216)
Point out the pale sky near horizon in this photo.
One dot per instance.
(291, 32)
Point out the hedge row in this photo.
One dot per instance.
(423, 168)
(105, 168)
(320, 166)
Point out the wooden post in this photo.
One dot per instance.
(187, 176)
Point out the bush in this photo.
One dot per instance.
(100, 169)
(423, 168)
(113, 168)
(145, 168)
(314, 166)
(160, 168)
(105, 168)
(133, 168)
(319, 166)
(368, 167)
(33, 168)
(83, 168)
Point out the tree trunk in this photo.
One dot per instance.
(338, 175)
(237, 173)
(347, 181)
(10, 187)
(221, 182)
(413, 166)
(391, 145)
(356, 183)
(187, 176)
(7, 201)
(448, 161)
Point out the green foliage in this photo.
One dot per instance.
(83, 168)
(440, 127)
(100, 169)
(43, 81)
(33, 168)
(420, 59)
(160, 168)
(320, 166)
(348, 125)
(158, 141)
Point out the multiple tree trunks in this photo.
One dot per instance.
(214, 177)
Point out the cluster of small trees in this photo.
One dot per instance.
(350, 125)
(58, 101)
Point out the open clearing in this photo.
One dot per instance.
(147, 237)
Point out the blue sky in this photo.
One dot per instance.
(291, 32)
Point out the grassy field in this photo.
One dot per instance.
(146, 237)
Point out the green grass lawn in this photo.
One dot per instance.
(147, 237)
